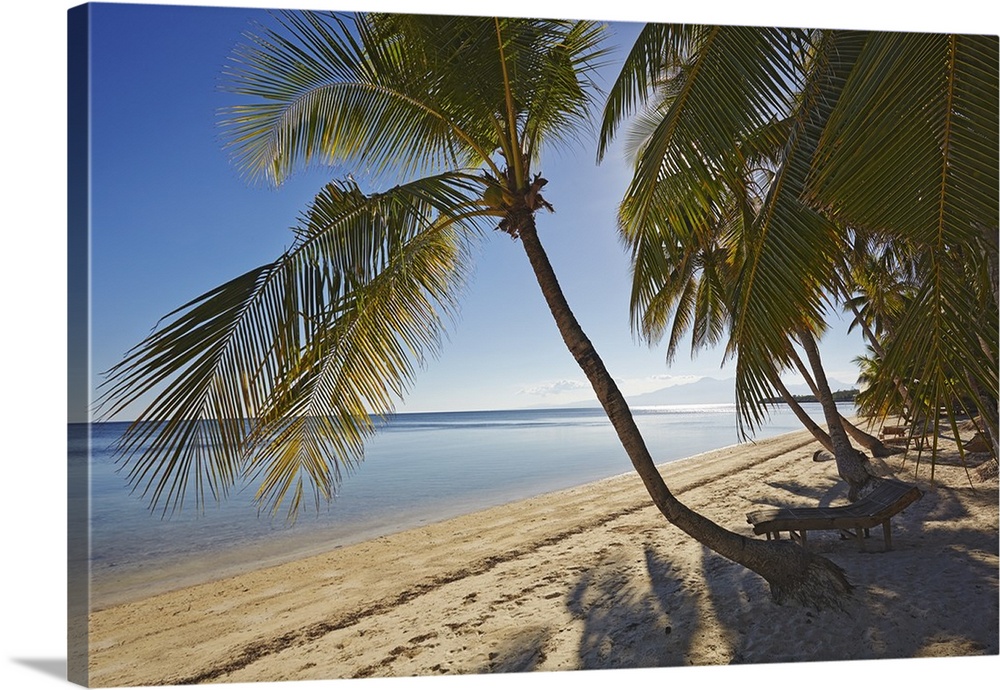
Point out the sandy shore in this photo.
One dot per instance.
(588, 578)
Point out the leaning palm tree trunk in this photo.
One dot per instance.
(815, 429)
(852, 465)
(877, 448)
(792, 572)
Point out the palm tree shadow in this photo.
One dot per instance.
(520, 653)
(929, 606)
(632, 623)
(824, 497)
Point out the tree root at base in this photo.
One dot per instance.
(807, 579)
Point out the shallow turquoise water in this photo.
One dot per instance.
(422, 467)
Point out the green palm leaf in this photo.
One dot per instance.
(358, 362)
(920, 114)
(285, 367)
(406, 93)
(281, 375)
(912, 151)
(736, 81)
(327, 89)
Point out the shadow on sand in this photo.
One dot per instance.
(629, 624)
(904, 607)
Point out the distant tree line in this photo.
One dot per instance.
(840, 396)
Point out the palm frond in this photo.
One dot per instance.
(912, 152)
(657, 53)
(325, 89)
(736, 81)
(791, 251)
(919, 118)
(206, 377)
(559, 87)
(413, 94)
(281, 374)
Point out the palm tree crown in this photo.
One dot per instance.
(280, 375)
(800, 141)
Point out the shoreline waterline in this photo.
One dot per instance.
(155, 578)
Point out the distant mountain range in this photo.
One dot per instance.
(704, 391)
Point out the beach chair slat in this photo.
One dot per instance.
(877, 508)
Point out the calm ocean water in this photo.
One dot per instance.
(420, 468)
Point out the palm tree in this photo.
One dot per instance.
(894, 134)
(747, 174)
(276, 374)
(863, 438)
(878, 279)
(683, 284)
(683, 280)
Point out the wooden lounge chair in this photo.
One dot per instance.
(855, 519)
(892, 432)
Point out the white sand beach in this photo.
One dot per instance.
(588, 578)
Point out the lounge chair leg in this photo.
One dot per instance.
(887, 533)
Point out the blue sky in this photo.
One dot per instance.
(172, 219)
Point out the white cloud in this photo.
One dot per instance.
(667, 380)
(554, 387)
